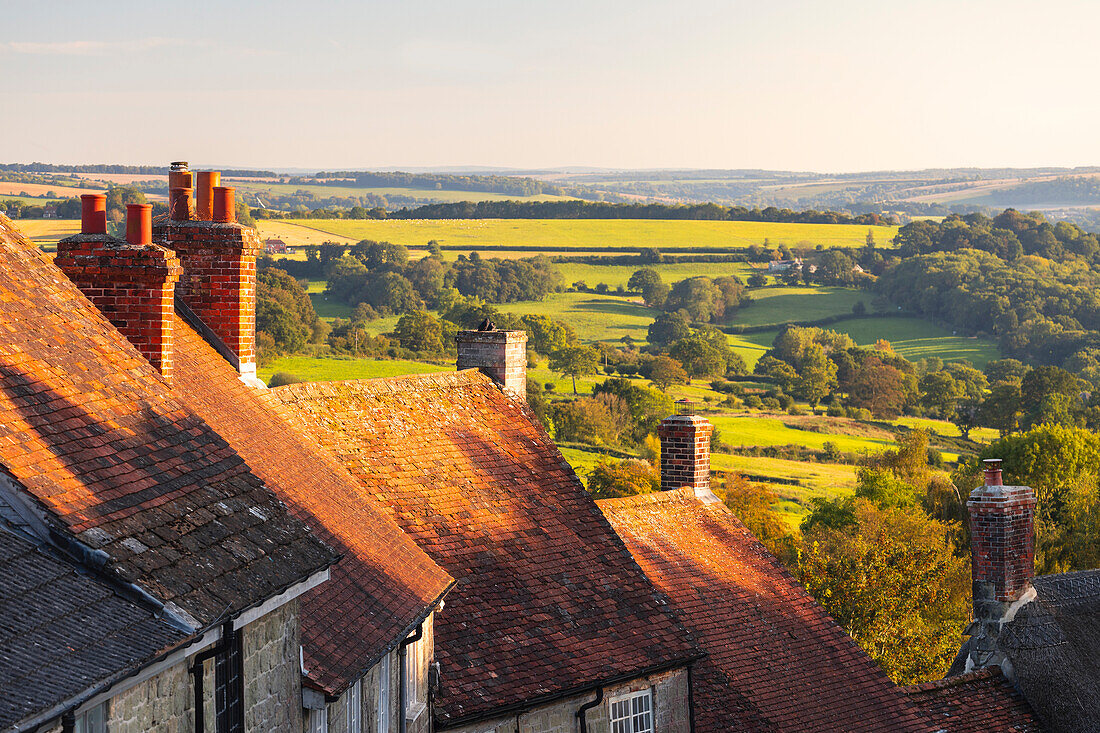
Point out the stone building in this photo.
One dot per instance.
(155, 579)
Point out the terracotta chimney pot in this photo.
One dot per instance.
(93, 213)
(179, 176)
(179, 204)
(225, 205)
(139, 224)
(204, 194)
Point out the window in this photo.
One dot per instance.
(229, 685)
(353, 708)
(412, 678)
(632, 713)
(92, 720)
(318, 721)
(384, 695)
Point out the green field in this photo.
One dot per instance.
(596, 233)
(916, 339)
(594, 317)
(332, 369)
(749, 430)
(784, 304)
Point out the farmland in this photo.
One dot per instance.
(594, 234)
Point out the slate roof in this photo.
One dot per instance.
(548, 599)
(383, 585)
(92, 432)
(771, 648)
(1053, 647)
(975, 702)
(63, 632)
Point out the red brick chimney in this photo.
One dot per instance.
(501, 355)
(1002, 548)
(130, 282)
(219, 274)
(1002, 541)
(685, 449)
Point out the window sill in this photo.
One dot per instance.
(414, 711)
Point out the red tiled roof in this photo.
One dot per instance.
(93, 433)
(548, 598)
(383, 585)
(770, 646)
(975, 702)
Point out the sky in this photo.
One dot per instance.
(818, 85)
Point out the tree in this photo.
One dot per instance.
(894, 582)
(598, 421)
(647, 281)
(547, 335)
(939, 393)
(757, 507)
(699, 297)
(421, 331)
(574, 361)
(630, 477)
(283, 310)
(1047, 396)
(698, 356)
(668, 328)
(816, 375)
(664, 371)
(1001, 408)
(758, 280)
(878, 387)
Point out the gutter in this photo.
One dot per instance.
(526, 705)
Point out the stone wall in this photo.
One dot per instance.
(671, 710)
(163, 703)
(273, 671)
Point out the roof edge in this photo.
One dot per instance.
(506, 710)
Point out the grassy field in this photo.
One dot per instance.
(48, 231)
(747, 430)
(312, 369)
(916, 339)
(783, 304)
(594, 317)
(596, 233)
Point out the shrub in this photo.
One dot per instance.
(278, 379)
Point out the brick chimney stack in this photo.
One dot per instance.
(685, 449)
(1002, 548)
(219, 268)
(501, 355)
(130, 282)
(1002, 542)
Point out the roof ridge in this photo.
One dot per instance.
(379, 385)
(660, 496)
(955, 680)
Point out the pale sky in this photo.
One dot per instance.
(799, 85)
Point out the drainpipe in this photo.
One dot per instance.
(197, 673)
(403, 702)
(588, 706)
(68, 722)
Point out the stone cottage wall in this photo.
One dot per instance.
(671, 710)
(272, 671)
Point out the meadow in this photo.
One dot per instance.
(595, 233)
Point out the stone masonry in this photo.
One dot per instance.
(219, 279)
(685, 452)
(272, 671)
(500, 355)
(131, 284)
(671, 710)
(162, 704)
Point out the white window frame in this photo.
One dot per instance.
(92, 720)
(353, 708)
(318, 720)
(631, 713)
(384, 695)
(413, 686)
